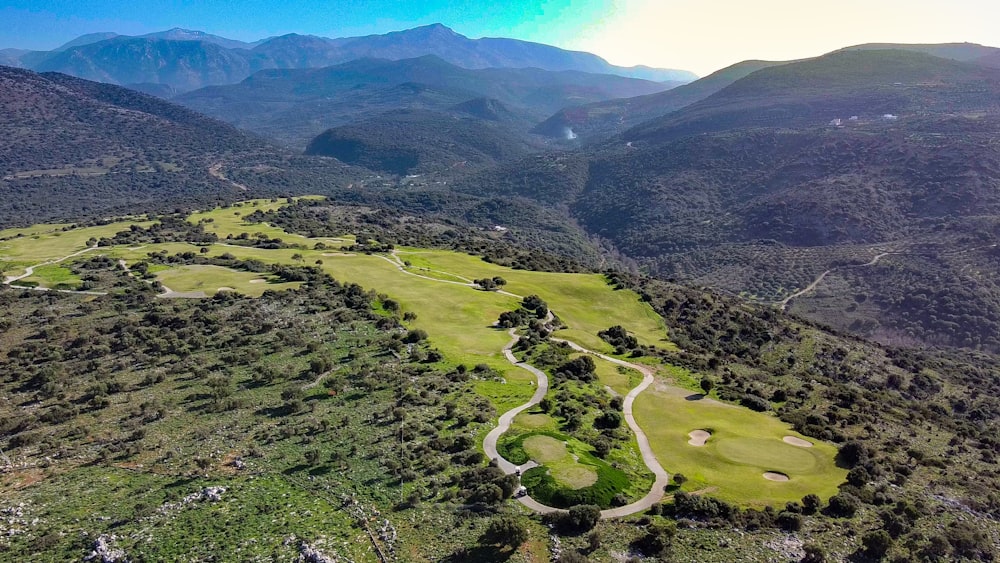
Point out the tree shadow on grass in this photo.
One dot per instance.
(695, 397)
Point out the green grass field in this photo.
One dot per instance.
(55, 276)
(229, 220)
(584, 302)
(211, 279)
(47, 245)
(562, 465)
(459, 321)
(744, 444)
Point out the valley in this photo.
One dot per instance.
(418, 296)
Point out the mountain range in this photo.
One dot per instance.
(78, 149)
(807, 183)
(876, 170)
(186, 60)
(294, 105)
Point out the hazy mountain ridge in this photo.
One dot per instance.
(867, 84)
(600, 120)
(296, 105)
(193, 59)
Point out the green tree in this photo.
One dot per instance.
(876, 544)
(707, 385)
(505, 530)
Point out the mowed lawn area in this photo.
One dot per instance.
(40, 244)
(224, 221)
(584, 302)
(211, 279)
(743, 446)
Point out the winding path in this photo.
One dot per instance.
(655, 493)
(30, 270)
(783, 304)
(662, 478)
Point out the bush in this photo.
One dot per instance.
(505, 530)
(843, 505)
(876, 544)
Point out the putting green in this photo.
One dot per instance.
(211, 279)
(545, 449)
(743, 446)
(562, 465)
(765, 452)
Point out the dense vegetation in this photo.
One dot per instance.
(294, 106)
(411, 142)
(306, 393)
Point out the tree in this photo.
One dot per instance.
(583, 517)
(312, 456)
(486, 284)
(811, 503)
(843, 505)
(505, 530)
(657, 539)
(594, 541)
(679, 479)
(707, 385)
(876, 544)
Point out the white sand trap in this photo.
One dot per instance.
(258, 281)
(698, 437)
(775, 476)
(797, 442)
(226, 289)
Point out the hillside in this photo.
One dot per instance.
(183, 65)
(755, 192)
(600, 120)
(294, 106)
(293, 414)
(75, 148)
(416, 141)
(867, 84)
(187, 59)
(964, 52)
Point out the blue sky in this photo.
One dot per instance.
(44, 24)
(697, 35)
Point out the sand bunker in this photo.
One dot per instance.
(226, 289)
(698, 437)
(258, 281)
(797, 442)
(330, 254)
(775, 476)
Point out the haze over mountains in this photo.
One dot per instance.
(295, 105)
(185, 60)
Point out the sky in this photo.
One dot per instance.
(697, 35)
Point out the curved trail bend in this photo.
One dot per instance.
(783, 304)
(662, 478)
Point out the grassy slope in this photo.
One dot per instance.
(210, 279)
(744, 444)
(459, 320)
